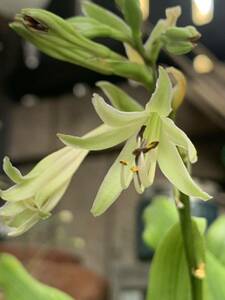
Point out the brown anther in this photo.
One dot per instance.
(141, 132)
(151, 146)
(200, 271)
(34, 24)
(124, 162)
(134, 169)
(137, 151)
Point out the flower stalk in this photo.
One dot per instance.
(187, 234)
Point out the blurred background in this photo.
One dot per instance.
(103, 258)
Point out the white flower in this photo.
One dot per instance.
(35, 195)
(152, 137)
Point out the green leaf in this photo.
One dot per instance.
(215, 239)
(18, 284)
(119, 98)
(105, 17)
(117, 118)
(215, 278)
(169, 279)
(133, 17)
(158, 217)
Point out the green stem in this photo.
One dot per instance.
(186, 229)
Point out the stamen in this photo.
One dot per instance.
(141, 132)
(151, 146)
(200, 271)
(134, 169)
(150, 163)
(124, 162)
(137, 184)
(178, 203)
(123, 175)
(143, 172)
(138, 142)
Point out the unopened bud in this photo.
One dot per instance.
(180, 40)
(179, 87)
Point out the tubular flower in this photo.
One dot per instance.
(35, 195)
(152, 137)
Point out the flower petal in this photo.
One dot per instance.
(60, 179)
(47, 162)
(174, 169)
(28, 189)
(111, 186)
(18, 227)
(106, 138)
(147, 168)
(114, 117)
(153, 128)
(54, 199)
(119, 98)
(12, 172)
(160, 101)
(179, 138)
(10, 209)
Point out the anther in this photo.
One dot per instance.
(135, 169)
(141, 132)
(124, 162)
(200, 271)
(152, 145)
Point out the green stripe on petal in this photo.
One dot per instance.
(116, 118)
(60, 179)
(160, 101)
(119, 98)
(107, 138)
(54, 199)
(111, 186)
(179, 138)
(153, 128)
(47, 162)
(174, 169)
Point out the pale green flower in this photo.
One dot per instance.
(35, 195)
(152, 137)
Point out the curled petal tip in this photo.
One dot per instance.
(95, 212)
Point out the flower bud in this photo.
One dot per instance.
(179, 87)
(180, 40)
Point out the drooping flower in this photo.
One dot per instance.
(152, 137)
(35, 195)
